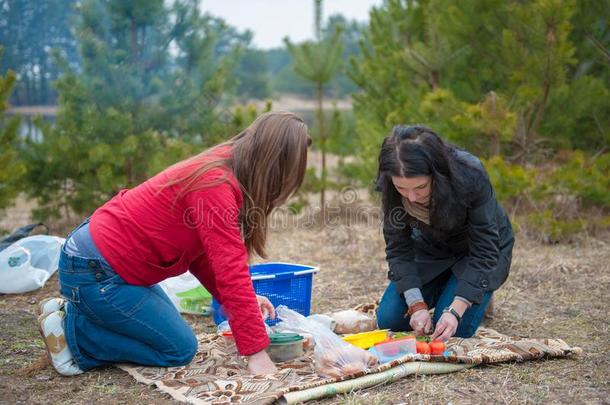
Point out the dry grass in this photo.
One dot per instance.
(553, 291)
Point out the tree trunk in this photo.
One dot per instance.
(520, 138)
(28, 88)
(130, 172)
(319, 96)
(537, 112)
(495, 145)
(134, 41)
(435, 77)
(44, 86)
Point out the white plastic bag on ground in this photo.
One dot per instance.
(351, 321)
(334, 357)
(27, 264)
(325, 320)
(187, 294)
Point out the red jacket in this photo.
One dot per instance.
(147, 236)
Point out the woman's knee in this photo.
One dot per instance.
(185, 350)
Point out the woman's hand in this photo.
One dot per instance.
(266, 307)
(260, 364)
(421, 322)
(447, 324)
(445, 327)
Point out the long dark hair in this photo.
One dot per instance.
(412, 151)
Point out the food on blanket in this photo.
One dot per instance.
(344, 361)
(329, 359)
(340, 371)
(370, 359)
(352, 368)
(437, 347)
(332, 372)
(331, 352)
(327, 365)
(308, 342)
(351, 321)
(285, 346)
(422, 347)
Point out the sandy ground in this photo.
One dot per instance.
(558, 291)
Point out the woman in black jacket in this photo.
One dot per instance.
(448, 241)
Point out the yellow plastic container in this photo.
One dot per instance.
(365, 340)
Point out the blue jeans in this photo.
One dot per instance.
(109, 321)
(438, 294)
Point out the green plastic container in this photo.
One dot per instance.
(285, 346)
(195, 301)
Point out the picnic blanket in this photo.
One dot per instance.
(216, 376)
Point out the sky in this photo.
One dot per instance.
(272, 20)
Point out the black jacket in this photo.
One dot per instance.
(478, 252)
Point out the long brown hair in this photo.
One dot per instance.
(268, 159)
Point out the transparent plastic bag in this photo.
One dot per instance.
(334, 357)
(27, 264)
(351, 321)
(325, 320)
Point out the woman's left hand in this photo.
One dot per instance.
(266, 307)
(445, 327)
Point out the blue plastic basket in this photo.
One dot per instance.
(283, 283)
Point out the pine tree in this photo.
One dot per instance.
(579, 112)
(319, 62)
(537, 53)
(11, 167)
(29, 31)
(484, 70)
(134, 107)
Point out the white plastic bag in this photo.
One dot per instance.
(334, 357)
(27, 264)
(325, 320)
(352, 321)
(187, 294)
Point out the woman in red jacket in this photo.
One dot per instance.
(205, 214)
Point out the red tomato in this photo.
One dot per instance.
(422, 347)
(437, 347)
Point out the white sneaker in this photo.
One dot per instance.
(49, 305)
(52, 330)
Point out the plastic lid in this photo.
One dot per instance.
(285, 337)
(394, 340)
(405, 337)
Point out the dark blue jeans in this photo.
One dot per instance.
(438, 294)
(109, 321)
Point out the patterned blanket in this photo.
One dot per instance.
(217, 376)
